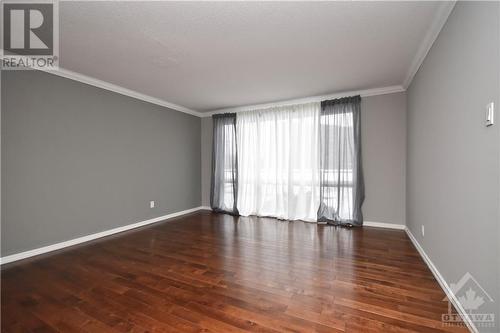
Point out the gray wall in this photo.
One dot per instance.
(78, 160)
(206, 159)
(384, 152)
(453, 159)
(383, 139)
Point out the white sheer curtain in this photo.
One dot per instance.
(278, 160)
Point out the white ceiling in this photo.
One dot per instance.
(207, 56)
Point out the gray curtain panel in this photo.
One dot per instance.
(224, 187)
(342, 189)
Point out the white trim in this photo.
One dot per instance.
(439, 20)
(384, 225)
(118, 89)
(68, 74)
(362, 93)
(143, 97)
(79, 240)
(442, 282)
(205, 208)
(430, 37)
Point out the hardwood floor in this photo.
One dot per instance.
(208, 272)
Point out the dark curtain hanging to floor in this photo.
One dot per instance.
(342, 189)
(224, 187)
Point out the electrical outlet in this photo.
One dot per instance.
(423, 230)
(151, 204)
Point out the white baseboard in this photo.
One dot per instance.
(365, 224)
(384, 225)
(444, 285)
(442, 282)
(79, 240)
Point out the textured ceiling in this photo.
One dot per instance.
(207, 56)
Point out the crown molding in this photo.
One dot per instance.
(134, 94)
(362, 93)
(118, 89)
(137, 95)
(440, 19)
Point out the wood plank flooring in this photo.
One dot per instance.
(208, 272)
